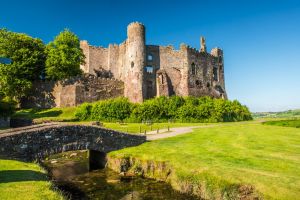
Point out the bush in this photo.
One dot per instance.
(188, 109)
(112, 110)
(83, 112)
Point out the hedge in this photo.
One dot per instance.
(184, 109)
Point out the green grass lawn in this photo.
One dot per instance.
(267, 157)
(19, 180)
(42, 115)
(67, 115)
(136, 127)
(288, 123)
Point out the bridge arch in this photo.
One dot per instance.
(38, 142)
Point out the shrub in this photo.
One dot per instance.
(112, 109)
(188, 109)
(83, 112)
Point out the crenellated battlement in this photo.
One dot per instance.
(188, 70)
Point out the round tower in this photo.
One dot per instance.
(136, 58)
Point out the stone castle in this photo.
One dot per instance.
(152, 70)
(137, 71)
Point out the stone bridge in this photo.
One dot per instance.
(39, 141)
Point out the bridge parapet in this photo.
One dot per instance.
(39, 142)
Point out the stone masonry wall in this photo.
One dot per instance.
(72, 92)
(37, 142)
(188, 71)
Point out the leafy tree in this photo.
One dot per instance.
(28, 58)
(64, 56)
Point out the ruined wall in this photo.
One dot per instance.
(162, 84)
(186, 71)
(174, 63)
(150, 70)
(96, 57)
(206, 75)
(72, 92)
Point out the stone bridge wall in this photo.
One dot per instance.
(39, 142)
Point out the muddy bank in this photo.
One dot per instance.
(203, 186)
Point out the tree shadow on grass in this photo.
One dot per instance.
(50, 113)
(8, 176)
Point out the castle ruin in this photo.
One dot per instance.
(152, 70)
(137, 71)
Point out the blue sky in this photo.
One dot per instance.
(260, 39)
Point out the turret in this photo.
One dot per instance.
(136, 55)
(218, 53)
(202, 45)
(85, 49)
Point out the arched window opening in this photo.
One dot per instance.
(150, 57)
(208, 85)
(193, 66)
(132, 64)
(198, 84)
(149, 69)
(220, 59)
(215, 74)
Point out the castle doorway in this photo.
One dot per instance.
(150, 89)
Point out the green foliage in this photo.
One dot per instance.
(83, 112)
(287, 123)
(152, 109)
(112, 109)
(282, 114)
(64, 56)
(28, 59)
(7, 108)
(189, 109)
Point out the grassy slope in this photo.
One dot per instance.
(288, 123)
(267, 157)
(19, 180)
(283, 114)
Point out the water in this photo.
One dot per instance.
(70, 172)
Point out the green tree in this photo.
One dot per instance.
(64, 56)
(28, 58)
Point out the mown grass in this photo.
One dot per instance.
(287, 123)
(44, 115)
(140, 128)
(67, 115)
(267, 157)
(20, 180)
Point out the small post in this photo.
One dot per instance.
(151, 127)
(157, 130)
(168, 128)
(140, 129)
(145, 132)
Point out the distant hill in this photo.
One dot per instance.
(282, 114)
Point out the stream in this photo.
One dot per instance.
(70, 173)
